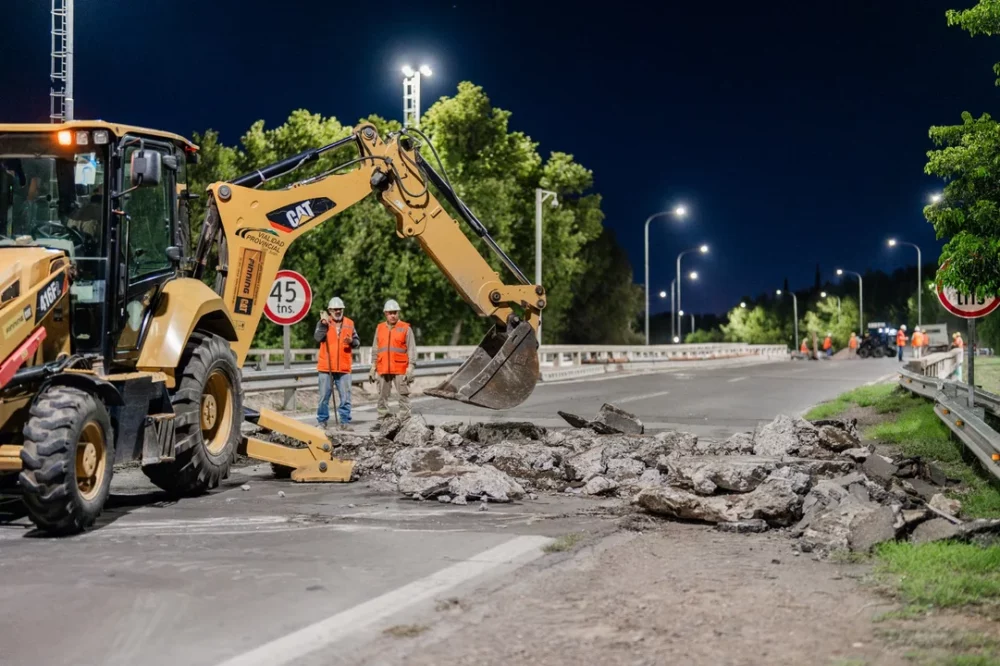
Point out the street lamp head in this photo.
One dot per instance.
(704, 249)
(743, 304)
(407, 71)
(676, 339)
(822, 294)
(681, 313)
(892, 242)
(425, 70)
(663, 294)
(840, 271)
(778, 292)
(936, 198)
(694, 275)
(680, 211)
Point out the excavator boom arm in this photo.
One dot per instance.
(253, 229)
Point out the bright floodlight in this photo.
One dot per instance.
(840, 271)
(778, 292)
(694, 275)
(935, 198)
(822, 294)
(676, 339)
(704, 249)
(663, 294)
(425, 70)
(743, 304)
(680, 211)
(408, 71)
(892, 242)
(681, 313)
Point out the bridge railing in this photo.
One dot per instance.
(265, 369)
(935, 377)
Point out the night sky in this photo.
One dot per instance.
(795, 132)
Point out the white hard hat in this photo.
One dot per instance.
(391, 306)
(903, 327)
(335, 304)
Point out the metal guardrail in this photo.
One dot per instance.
(952, 407)
(557, 361)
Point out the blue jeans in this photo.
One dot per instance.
(900, 348)
(343, 382)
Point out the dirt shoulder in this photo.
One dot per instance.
(681, 593)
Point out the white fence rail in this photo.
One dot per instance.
(265, 369)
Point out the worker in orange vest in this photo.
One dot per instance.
(901, 341)
(828, 344)
(918, 342)
(337, 340)
(804, 348)
(852, 344)
(394, 355)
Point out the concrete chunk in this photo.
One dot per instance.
(414, 432)
(879, 469)
(936, 529)
(619, 420)
(945, 505)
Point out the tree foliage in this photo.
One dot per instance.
(495, 170)
(968, 159)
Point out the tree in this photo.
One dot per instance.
(828, 318)
(968, 158)
(759, 326)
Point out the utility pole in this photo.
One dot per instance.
(540, 197)
(61, 62)
(411, 94)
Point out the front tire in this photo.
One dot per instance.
(208, 403)
(68, 460)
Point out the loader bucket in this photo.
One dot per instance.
(500, 374)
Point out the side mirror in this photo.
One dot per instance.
(147, 167)
(174, 254)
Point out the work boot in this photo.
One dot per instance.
(346, 426)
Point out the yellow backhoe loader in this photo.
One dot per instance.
(114, 348)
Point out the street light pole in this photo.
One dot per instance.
(679, 211)
(673, 318)
(861, 299)
(540, 197)
(920, 281)
(411, 94)
(701, 248)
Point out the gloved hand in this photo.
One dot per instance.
(409, 375)
(372, 375)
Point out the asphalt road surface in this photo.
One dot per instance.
(251, 577)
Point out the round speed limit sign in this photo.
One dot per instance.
(289, 299)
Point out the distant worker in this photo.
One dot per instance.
(918, 342)
(852, 344)
(337, 340)
(804, 348)
(828, 344)
(901, 341)
(394, 356)
(957, 341)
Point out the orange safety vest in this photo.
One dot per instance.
(900, 339)
(827, 343)
(392, 357)
(339, 347)
(918, 339)
(853, 343)
(804, 349)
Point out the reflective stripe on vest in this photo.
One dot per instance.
(339, 347)
(391, 353)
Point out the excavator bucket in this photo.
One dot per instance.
(500, 374)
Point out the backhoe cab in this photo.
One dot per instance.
(114, 349)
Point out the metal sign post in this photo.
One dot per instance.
(288, 303)
(971, 307)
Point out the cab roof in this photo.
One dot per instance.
(115, 128)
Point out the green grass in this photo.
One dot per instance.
(988, 373)
(565, 542)
(942, 575)
(917, 431)
(882, 397)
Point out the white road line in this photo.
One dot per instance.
(647, 396)
(346, 623)
(736, 379)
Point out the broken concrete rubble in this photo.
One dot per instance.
(599, 486)
(467, 481)
(610, 420)
(945, 505)
(414, 432)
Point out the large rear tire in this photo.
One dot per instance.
(879, 352)
(208, 402)
(865, 352)
(68, 459)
